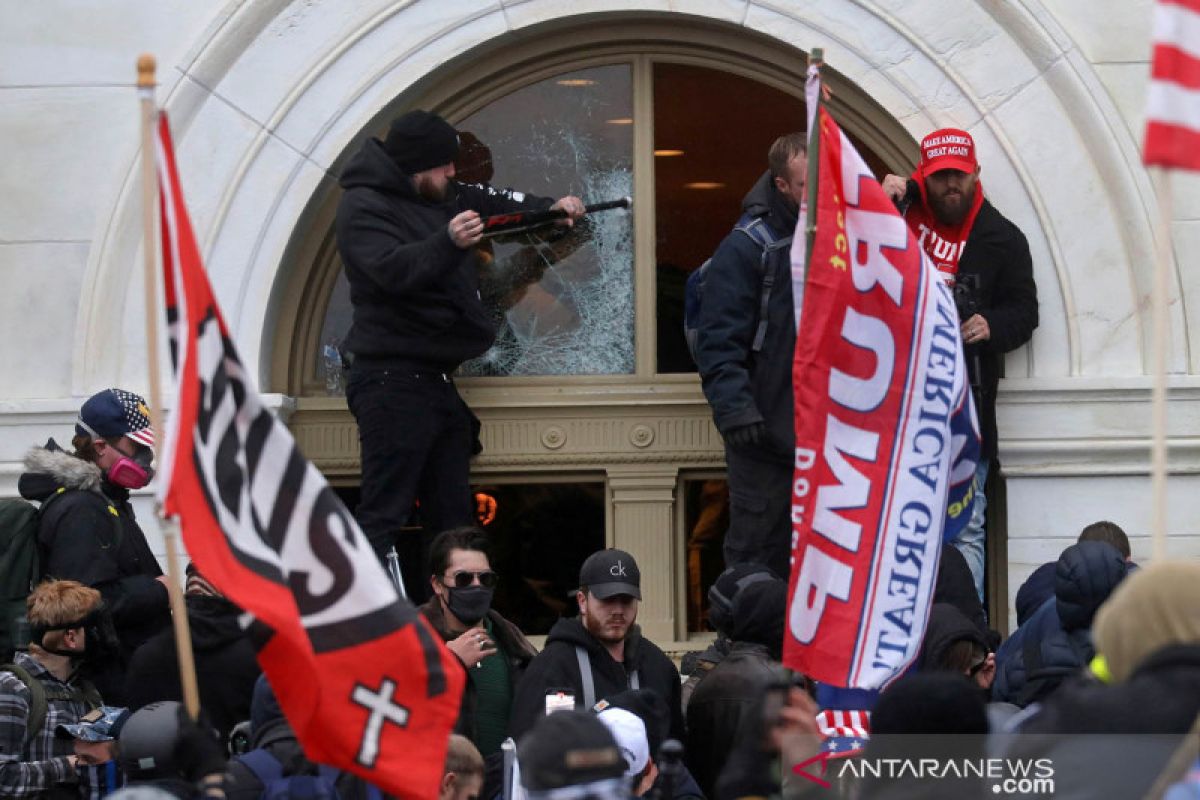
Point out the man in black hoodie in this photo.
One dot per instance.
(600, 653)
(746, 368)
(407, 234)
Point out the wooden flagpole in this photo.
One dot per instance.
(170, 526)
(1158, 396)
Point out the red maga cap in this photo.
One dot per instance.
(948, 148)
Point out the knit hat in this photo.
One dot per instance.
(420, 140)
(725, 589)
(1156, 606)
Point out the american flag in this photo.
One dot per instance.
(1173, 98)
(137, 417)
(844, 733)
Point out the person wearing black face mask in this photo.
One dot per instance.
(492, 650)
(87, 529)
(67, 635)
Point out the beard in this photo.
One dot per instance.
(609, 628)
(951, 207)
(432, 191)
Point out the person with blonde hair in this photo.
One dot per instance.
(463, 777)
(43, 689)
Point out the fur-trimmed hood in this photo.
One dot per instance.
(50, 468)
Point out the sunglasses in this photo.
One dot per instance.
(461, 580)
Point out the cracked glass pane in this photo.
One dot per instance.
(562, 306)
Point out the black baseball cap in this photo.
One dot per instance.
(568, 748)
(611, 572)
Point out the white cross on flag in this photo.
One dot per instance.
(264, 527)
(1173, 98)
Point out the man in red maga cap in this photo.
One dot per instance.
(985, 258)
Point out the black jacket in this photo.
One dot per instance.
(1056, 642)
(278, 739)
(557, 667)
(76, 542)
(744, 387)
(226, 664)
(415, 294)
(722, 709)
(997, 265)
(510, 642)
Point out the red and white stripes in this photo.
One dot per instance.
(1173, 97)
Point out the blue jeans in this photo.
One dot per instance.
(971, 541)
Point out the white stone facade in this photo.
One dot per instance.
(264, 95)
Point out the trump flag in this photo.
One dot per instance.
(886, 437)
(363, 681)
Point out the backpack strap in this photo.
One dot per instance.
(635, 680)
(265, 766)
(37, 700)
(585, 675)
(762, 235)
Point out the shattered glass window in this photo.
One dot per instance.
(563, 305)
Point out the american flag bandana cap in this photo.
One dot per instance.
(116, 412)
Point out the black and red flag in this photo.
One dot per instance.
(362, 679)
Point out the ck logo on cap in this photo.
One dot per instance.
(617, 570)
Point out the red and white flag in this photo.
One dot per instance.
(886, 437)
(1173, 97)
(362, 679)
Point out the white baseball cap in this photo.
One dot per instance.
(630, 732)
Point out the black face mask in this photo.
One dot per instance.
(100, 644)
(469, 604)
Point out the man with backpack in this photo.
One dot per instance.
(745, 335)
(87, 530)
(42, 689)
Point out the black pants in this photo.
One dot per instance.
(760, 501)
(416, 435)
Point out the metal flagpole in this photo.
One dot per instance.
(813, 96)
(170, 526)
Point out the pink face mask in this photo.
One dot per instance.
(129, 474)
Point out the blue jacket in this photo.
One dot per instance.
(1056, 641)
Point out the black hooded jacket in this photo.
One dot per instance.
(76, 541)
(721, 713)
(415, 293)
(744, 387)
(226, 664)
(557, 667)
(1056, 642)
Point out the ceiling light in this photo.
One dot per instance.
(668, 153)
(704, 185)
(576, 82)
(620, 121)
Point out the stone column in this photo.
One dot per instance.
(643, 498)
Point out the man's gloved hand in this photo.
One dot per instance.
(751, 435)
(198, 752)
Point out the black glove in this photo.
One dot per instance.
(198, 751)
(751, 435)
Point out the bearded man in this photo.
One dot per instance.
(407, 233)
(985, 259)
(600, 653)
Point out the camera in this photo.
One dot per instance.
(966, 296)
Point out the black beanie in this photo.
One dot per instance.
(419, 140)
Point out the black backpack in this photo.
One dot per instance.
(693, 294)
(20, 562)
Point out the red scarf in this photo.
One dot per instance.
(944, 243)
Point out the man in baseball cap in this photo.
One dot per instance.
(985, 259)
(571, 749)
(599, 653)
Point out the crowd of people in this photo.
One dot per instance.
(90, 704)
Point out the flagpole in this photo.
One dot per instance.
(1158, 397)
(816, 58)
(169, 526)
